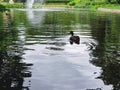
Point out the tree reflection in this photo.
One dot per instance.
(107, 52)
(12, 69)
(12, 72)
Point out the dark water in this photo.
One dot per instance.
(35, 53)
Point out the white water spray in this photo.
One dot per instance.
(35, 16)
(30, 3)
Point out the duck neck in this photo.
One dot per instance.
(72, 34)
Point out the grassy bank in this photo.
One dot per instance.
(55, 5)
(92, 4)
(15, 5)
(108, 6)
(21, 5)
(74, 3)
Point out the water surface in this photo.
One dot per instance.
(35, 52)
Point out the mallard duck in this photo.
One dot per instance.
(74, 39)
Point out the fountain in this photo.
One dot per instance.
(30, 3)
(36, 5)
(33, 12)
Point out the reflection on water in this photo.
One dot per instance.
(12, 68)
(107, 52)
(35, 52)
(34, 17)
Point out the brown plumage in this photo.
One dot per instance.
(74, 39)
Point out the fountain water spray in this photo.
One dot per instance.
(35, 16)
(30, 3)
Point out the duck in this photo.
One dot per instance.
(74, 39)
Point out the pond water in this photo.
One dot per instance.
(35, 53)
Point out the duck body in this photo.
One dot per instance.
(74, 39)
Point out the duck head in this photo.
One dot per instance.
(72, 33)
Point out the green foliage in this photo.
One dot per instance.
(2, 8)
(56, 1)
(14, 5)
(6, 6)
(72, 3)
(93, 3)
(118, 1)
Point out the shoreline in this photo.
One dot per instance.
(108, 10)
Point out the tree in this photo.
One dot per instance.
(108, 1)
(1, 0)
(118, 1)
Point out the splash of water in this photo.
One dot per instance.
(33, 13)
(30, 3)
